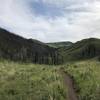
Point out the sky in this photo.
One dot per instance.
(51, 20)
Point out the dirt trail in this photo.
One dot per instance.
(69, 85)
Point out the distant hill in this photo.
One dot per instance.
(84, 49)
(60, 44)
(16, 48)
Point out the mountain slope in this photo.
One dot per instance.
(60, 44)
(84, 49)
(16, 48)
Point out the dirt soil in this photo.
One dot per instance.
(68, 81)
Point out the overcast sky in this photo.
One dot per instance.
(51, 20)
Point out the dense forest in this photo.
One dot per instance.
(14, 47)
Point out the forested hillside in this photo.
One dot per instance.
(16, 48)
(81, 50)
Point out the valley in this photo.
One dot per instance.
(33, 70)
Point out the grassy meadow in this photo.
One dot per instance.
(21, 81)
(86, 76)
(30, 82)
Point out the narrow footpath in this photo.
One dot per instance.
(68, 81)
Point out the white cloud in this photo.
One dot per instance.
(81, 19)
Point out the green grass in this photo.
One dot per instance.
(30, 82)
(86, 76)
(43, 82)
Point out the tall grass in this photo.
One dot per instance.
(86, 76)
(30, 82)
